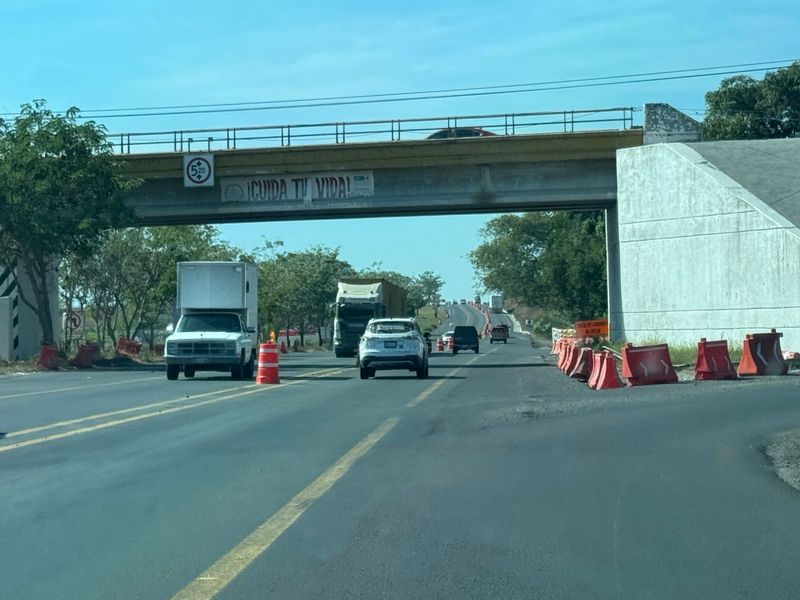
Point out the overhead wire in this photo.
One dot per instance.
(450, 93)
(432, 96)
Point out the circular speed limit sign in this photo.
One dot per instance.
(198, 170)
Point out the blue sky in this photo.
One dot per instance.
(102, 55)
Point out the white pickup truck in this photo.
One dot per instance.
(217, 329)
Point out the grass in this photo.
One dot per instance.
(429, 317)
(22, 366)
(681, 354)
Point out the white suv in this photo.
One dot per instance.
(392, 344)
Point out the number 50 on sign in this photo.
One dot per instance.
(198, 170)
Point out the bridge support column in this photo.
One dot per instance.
(616, 322)
(20, 333)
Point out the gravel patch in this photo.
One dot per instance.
(784, 456)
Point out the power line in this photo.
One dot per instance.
(585, 82)
(439, 91)
(432, 96)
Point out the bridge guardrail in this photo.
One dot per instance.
(340, 132)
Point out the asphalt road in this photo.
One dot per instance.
(497, 477)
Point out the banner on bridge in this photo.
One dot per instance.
(298, 188)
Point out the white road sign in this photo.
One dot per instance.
(198, 170)
(298, 188)
(73, 321)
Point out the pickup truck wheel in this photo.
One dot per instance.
(476, 349)
(363, 373)
(249, 368)
(237, 370)
(188, 371)
(172, 372)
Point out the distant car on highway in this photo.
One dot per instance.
(448, 335)
(463, 301)
(460, 132)
(465, 337)
(392, 344)
(499, 333)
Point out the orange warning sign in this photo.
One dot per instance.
(585, 329)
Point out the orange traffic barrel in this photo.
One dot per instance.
(268, 363)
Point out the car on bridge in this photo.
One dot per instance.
(460, 132)
(392, 344)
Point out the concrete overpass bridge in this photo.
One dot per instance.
(466, 175)
(512, 170)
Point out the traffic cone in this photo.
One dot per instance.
(268, 363)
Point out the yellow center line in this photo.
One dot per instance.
(211, 581)
(166, 411)
(222, 572)
(72, 389)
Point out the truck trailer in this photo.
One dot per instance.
(218, 303)
(497, 303)
(357, 301)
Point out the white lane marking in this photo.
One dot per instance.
(80, 387)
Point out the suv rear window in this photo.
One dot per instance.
(466, 332)
(391, 327)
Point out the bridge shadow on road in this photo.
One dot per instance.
(410, 376)
(316, 378)
(484, 366)
(306, 366)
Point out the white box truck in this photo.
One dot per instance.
(218, 302)
(497, 303)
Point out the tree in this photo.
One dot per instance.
(554, 261)
(745, 108)
(60, 189)
(132, 275)
(300, 287)
(429, 285)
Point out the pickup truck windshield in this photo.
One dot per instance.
(209, 322)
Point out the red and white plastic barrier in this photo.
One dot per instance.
(713, 361)
(583, 364)
(761, 355)
(604, 374)
(647, 365)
